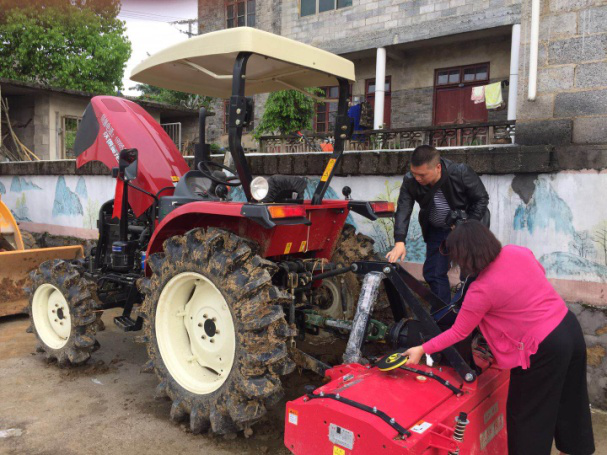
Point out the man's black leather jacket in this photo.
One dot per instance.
(462, 188)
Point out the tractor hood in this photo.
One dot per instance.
(111, 124)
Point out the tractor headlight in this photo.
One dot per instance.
(259, 188)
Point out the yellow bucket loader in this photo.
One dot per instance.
(16, 262)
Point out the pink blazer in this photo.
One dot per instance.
(513, 304)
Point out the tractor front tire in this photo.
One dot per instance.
(62, 312)
(215, 330)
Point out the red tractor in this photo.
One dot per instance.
(224, 291)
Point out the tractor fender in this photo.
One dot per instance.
(224, 215)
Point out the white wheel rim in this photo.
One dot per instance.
(195, 333)
(51, 315)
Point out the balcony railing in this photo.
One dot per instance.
(469, 134)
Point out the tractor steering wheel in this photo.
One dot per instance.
(205, 168)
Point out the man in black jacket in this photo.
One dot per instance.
(447, 193)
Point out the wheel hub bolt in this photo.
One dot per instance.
(204, 338)
(204, 316)
(212, 340)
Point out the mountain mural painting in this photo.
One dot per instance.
(66, 201)
(19, 184)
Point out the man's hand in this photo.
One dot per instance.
(415, 354)
(398, 253)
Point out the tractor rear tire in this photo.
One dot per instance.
(215, 330)
(62, 312)
(350, 247)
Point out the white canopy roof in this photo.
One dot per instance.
(203, 65)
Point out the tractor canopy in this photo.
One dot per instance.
(244, 61)
(204, 65)
(112, 124)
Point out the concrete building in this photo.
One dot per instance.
(45, 119)
(430, 54)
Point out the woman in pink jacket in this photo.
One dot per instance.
(531, 332)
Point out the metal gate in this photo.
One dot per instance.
(174, 132)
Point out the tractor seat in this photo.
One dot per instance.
(192, 187)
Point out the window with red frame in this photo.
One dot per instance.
(226, 118)
(324, 119)
(240, 13)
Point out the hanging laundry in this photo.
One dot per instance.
(354, 113)
(493, 96)
(478, 94)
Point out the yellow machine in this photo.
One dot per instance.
(16, 262)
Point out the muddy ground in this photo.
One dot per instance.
(108, 406)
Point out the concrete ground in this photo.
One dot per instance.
(108, 406)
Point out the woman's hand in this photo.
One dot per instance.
(415, 354)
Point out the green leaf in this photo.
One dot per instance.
(52, 42)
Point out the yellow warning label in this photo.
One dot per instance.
(288, 247)
(328, 169)
(174, 178)
(338, 451)
(302, 247)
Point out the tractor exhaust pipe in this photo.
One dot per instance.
(202, 150)
(366, 301)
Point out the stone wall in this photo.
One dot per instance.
(593, 320)
(369, 24)
(571, 106)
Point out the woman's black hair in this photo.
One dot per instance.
(472, 246)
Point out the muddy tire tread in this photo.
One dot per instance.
(245, 281)
(78, 292)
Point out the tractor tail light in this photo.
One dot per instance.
(382, 207)
(287, 211)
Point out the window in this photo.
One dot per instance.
(310, 7)
(69, 128)
(226, 119)
(463, 74)
(452, 91)
(240, 13)
(324, 121)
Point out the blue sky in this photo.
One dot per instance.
(149, 28)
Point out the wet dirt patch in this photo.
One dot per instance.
(12, 289)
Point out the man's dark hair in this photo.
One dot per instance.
(473, 247)
(425, 154)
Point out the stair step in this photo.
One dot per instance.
(127, 324)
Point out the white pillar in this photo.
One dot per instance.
(513, 87)
(380, 87)
(533, 49)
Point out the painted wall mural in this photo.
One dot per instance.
(561, 217)
(70, 201)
